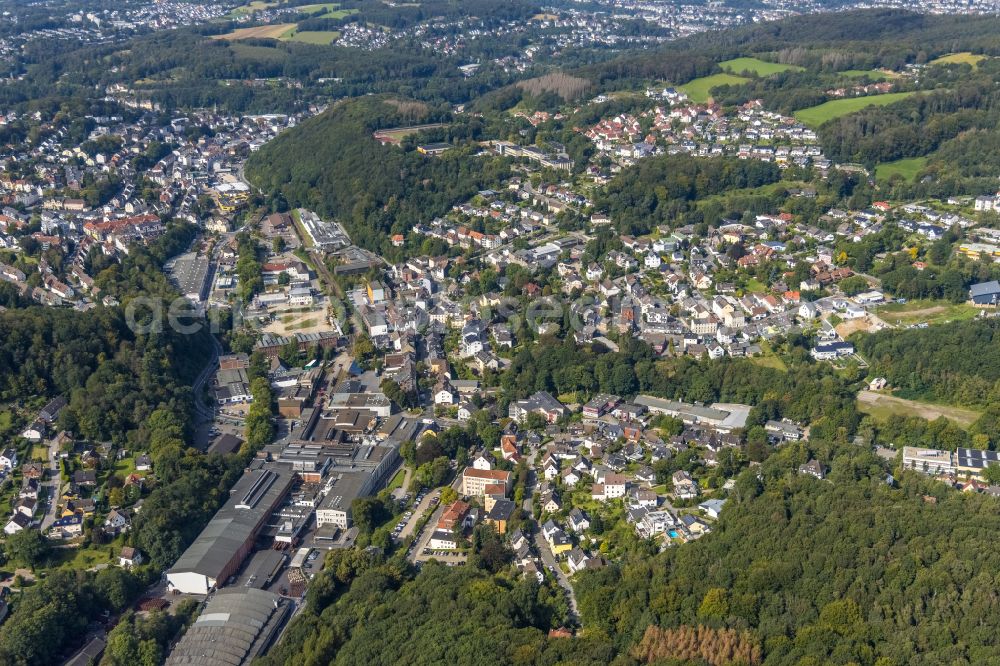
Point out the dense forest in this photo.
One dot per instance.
(821, 43)
(58, 610)
(846, 570)
(915, 126)
(113, 374)
(658, 190)
(362, 609)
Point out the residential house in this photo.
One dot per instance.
(499, 516)
(712, 508)
(813, 468)
(476, 482)
(67, 527)
(143, 463)
(542, 403)
(117, 521)
(615, 486)
(26, 505)
(684, 485)
(571, 477)
(578, 520)
(17, 522)
(8, 460)
(129, 557)
(484, 461)
(443, 540)
(30, 470)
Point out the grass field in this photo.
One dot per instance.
(397, 480)
(322, 37)
(815, 116)
(698, 89)
(79, 557)
(276, 31)
(329, 9)
(960, 58)
(757, 66)
(6, 422)
(250, 8)
(882, 406)
(873, 74)
(124, 467)
(769, 361)
(907, 168)
(925, 311)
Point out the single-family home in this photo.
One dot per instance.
(712, 508)
(129, 557)
(17, 522)
(8, 460)
(813, 468)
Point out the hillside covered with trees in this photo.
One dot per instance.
(333, 165)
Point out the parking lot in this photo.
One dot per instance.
(421, 503)
(450, 557)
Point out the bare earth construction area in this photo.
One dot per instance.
(881, 405)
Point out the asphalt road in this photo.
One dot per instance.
(418, 513)
(542, 546)
(203, 412)
(52, 486)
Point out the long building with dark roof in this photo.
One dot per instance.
(229, 537)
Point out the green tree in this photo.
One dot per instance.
(992, 474)
(715, 604)
(28, 546)
(368, 513)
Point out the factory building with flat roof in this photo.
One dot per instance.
(724, 417)
(219, 551)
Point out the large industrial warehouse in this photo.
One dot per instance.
(229, 537)
(235, 626)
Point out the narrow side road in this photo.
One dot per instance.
(542, 546)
